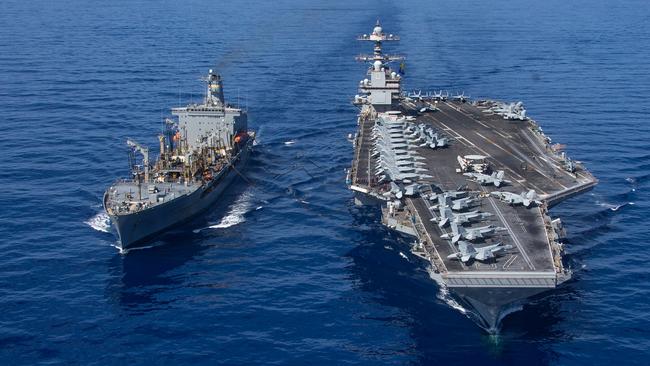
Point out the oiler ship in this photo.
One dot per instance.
(471, 180)
(201, 154)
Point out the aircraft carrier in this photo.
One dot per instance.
(472, 181)
(200, 154)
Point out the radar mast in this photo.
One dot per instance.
(383, 89)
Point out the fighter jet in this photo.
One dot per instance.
(440, 96)
(440, 141)
(386, 174)
(467, 252)
(426, 136)
(393, 167)
(399, 190)
(509, 111)
(471, 234)
(483, 179)
(396, 157)
(413, 134)
(569, 166)
(433, 140)
(395, 190)
(415, 95)
(390, 170)
(460, 97)
(455, 194)
(447, 216)
(513, 116)
(389, 158)
(446, 199)
(428, 141)
(525, 198)
(387, 134)
(461, 203)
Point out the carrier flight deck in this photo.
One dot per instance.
(471, 180)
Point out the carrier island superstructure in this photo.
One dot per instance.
(472, 181)
(200, 154)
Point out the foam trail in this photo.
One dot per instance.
(444, 295)
(623, 205)
(100, 222)
(404, 256)
(614, 207)
(127, 251)
(258, 137)
(236, 213)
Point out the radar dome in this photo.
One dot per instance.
(377, 30)
(377, 65)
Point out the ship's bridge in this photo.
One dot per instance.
(211, 118)
(384, 86)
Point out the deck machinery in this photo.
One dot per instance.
(472, 181)
(200, 155)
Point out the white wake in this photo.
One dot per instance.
(614, 207)
(235, 214)
(100, 222)
(444, 295)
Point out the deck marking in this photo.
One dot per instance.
(499, 146)
(486, 153)
(479, 121)
(510, 260)
(555, 167)
(483, 152)
(515, 239)
(538, 169)
(491, 129)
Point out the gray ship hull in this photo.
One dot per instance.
(490, 305)
(134, 229)
(471, 180)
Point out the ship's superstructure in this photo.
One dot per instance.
(471, 180)
(382, 90)
(199, 156)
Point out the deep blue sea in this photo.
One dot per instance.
(286, 270)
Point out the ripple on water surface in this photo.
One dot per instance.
(309, 278)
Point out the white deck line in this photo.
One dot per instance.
(515, 239)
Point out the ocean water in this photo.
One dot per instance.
(286, 270)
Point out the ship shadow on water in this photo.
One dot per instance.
(140, 275)
(440, 334)
(137, 278)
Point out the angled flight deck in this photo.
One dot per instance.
(472, 180)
